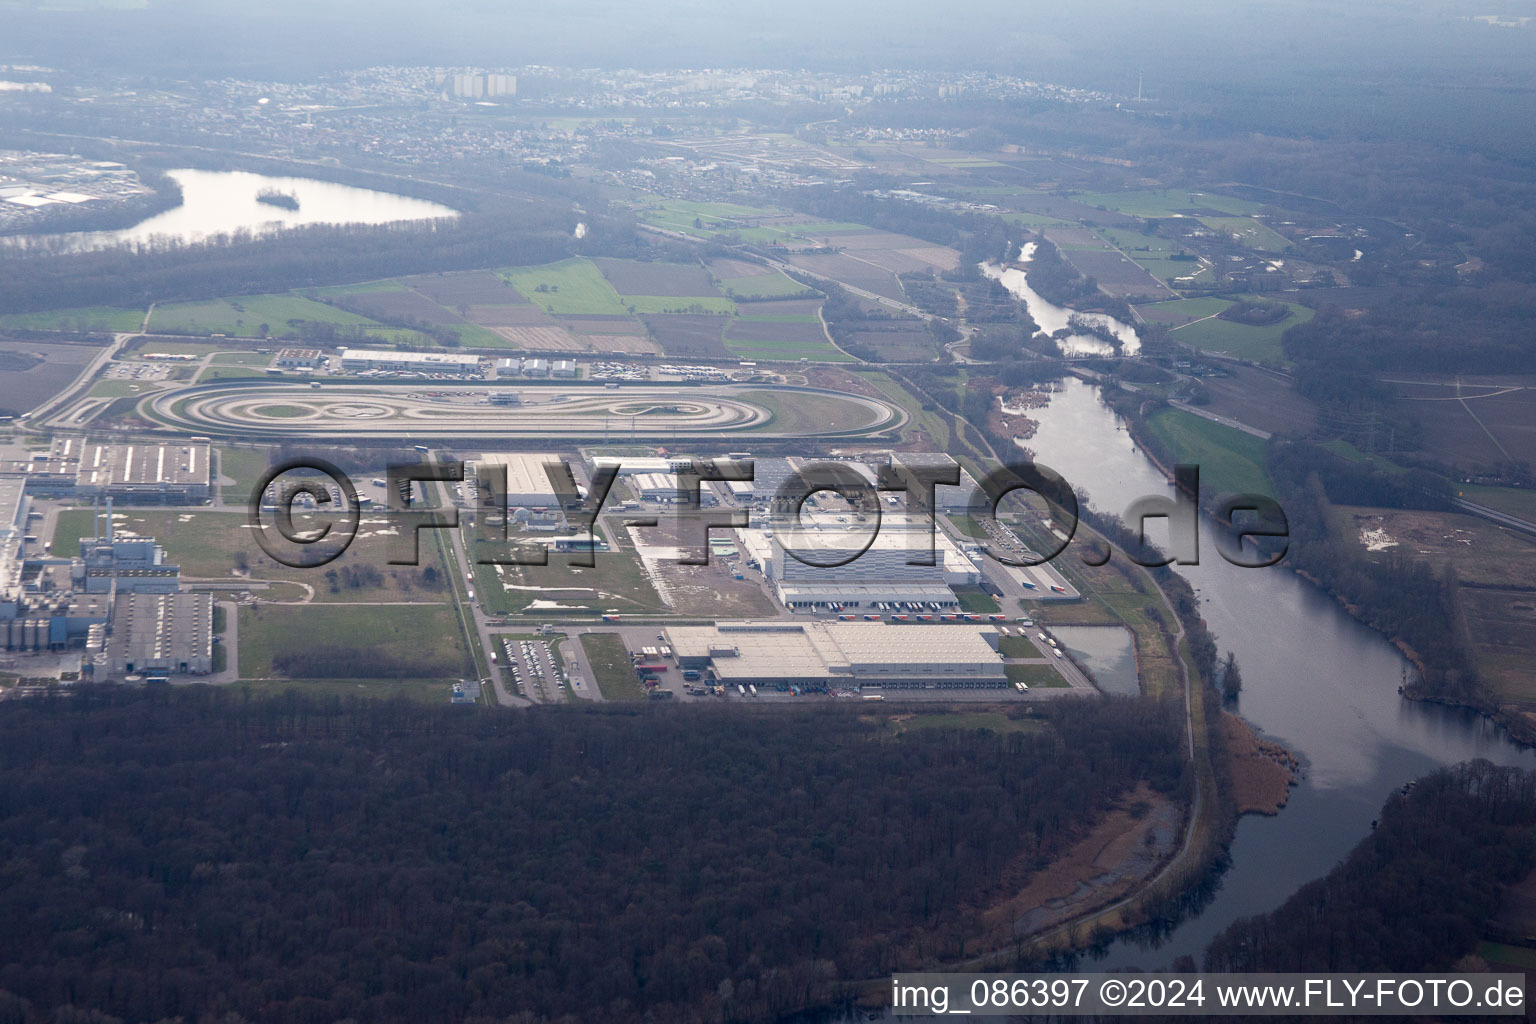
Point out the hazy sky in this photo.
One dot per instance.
(1103, 40)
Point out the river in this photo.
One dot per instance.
(1313, 678)
(224, 202)
(1051, 318)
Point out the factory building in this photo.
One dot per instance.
(833, 562)
(527, 485)
(15, 503)
(359, 360)
(638, 465)
(865, 654)
(161, 635)
(179, 473)
(298, 358)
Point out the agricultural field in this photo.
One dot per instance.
(1492, 424)
(1515, 501)
(715, 220)
(1242, 341)
(689, 336)
(1260, 399)
(780, 339)
(845, 268)
(1229, 459)
(100, 319)
(34, 372)
(899, 342)
(1493, 576)
(1117, 275)
(633, 277)
(573, 286)
(244, 315)
(770, 285)
(1252, 233)
(1168, 202)
(1178, 312)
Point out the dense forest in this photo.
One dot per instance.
(1414, 895)
(198, 854)
(496, 235)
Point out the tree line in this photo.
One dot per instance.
(1412, 896)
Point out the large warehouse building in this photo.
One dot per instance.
(161, 634)
(840, 654)
(528, 485)
(853, 571)
(357, 360)
(178, 473)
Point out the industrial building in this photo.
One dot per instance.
(358, 360)
(179, 473)
(864, 654)
(563, 368)
(833, 562)
(161, 634)
(527, 484)
(15, 503)
(637, 465)
(298, 358)
(59, 603)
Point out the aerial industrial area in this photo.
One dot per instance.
(635, 544)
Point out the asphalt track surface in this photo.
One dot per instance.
(283, 409)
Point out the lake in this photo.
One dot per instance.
(224, 202)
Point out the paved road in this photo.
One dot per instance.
(1493, 515)
(83, 382)
(1226, 421)
(231, 645)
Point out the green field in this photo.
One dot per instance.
(1018, 647)
(91, 318)
(1229, 459)
(1254, 234)
(765, 286)
(243, 316)
(679, 304)
(1171, 272)
(426, 643)
(1241, 341)
(570, 286)
(120, 388)
(1043, 677)
(1036, 220)
(1166, 202)
(974, 599)
(1515, 501)
(613, 671)
(216, 545)
(821, 352)
(1187, 309)
(229, 373)
(618, 577)
(245, 466)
